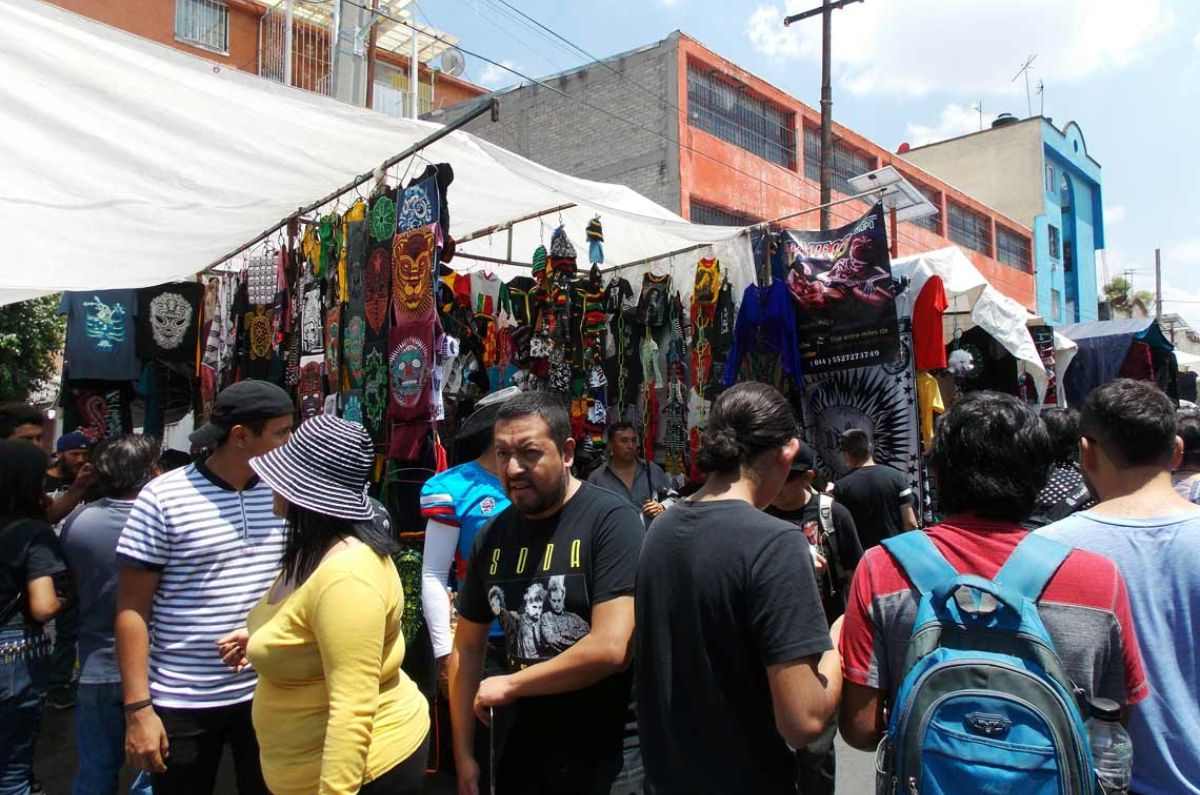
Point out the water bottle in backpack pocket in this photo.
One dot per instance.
(983, 704)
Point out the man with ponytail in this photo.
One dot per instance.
(735, 660)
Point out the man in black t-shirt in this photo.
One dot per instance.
(836, 550)
(827, 525)
(879, 497)
(557, 570)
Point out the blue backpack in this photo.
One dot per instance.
(984, 705)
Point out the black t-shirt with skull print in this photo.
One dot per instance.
(541, 579)
(168, 320)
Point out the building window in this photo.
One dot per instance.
(931, 222)
(733, 114)
(847, 161)
(1051, 185)
(1068, 257)
(968, 228)
(1012, 249)
(1055, 246)
(1056, 305)
(204, 23)
(711, 215)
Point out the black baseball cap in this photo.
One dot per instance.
(245, 401)
(805, 460)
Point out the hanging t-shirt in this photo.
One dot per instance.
(766, 324)
(333, 348)
(518, 290)
(929, 399)
(168, 321)
(312, 320)
(929, 343)
(418, 205)
(101, 410)
(353, 340)
(618, 295)
(375, 389)
(101, 342)
(653, 304)
(412, 275)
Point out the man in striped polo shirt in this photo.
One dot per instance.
(201, 545)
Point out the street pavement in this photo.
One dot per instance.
(56, 763)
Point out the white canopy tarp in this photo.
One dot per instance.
(127, 163)
(968, 291)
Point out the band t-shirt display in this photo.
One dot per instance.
(541, 578)
(169, 318)
(101, 337)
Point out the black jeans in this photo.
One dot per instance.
(197, 738)
(406, 778)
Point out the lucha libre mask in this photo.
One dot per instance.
(412, 261)
(409, 371)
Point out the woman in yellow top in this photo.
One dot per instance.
(333, 711)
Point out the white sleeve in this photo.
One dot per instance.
(440, 543)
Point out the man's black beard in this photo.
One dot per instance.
(550, 499)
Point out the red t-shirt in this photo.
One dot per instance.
(1085, 608)
(929, 341)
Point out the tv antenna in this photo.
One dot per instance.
(1024, 70)
(1041, 92)
(978, 106)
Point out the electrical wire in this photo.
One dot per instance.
(590, 106)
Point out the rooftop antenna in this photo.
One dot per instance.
(1041, 92)
(978, 106)
(1025, 71)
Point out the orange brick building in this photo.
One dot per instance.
(718, 145)
(238, 35)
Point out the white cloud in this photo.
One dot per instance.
(954, 120)
(1114, 214)
(915, 47)
(493, 76)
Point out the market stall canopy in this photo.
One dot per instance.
(129, 163)
(1103, 346)
(967, 291)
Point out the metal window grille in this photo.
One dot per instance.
(1013, 249)
(712, 215)
(847, 161)
(931, 222)
(312, 64)
(968, 228)
(1053, 239)
(391, 92)
(733, 114)
(204, 23)
(1056, 305)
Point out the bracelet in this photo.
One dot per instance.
(135, 706)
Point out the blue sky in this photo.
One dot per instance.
(1128, 71)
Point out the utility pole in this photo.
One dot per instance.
(1157, 283)
(826, 11)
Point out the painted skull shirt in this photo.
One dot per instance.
(101, 334)
(168, 319)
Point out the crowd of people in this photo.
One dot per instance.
(595, 632)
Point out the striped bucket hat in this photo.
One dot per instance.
(324, 467)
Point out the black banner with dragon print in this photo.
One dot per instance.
(841, 281)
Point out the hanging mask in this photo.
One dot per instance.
(409, 369)
(412, 260)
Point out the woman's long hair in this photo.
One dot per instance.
(22, 481)
(311, 534)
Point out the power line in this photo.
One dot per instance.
(587, 104)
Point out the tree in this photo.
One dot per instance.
(31, 337)
(1117, 292)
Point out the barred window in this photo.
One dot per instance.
(931, 222)
(847, 161)
(1053, 239)
(204, 23)
(733, 114)
(968, 228)
(1013, 249)
(709, 214)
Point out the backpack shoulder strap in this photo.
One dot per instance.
(1031, 565)
(920, 559)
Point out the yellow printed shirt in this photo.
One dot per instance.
(332, 709)
(929, 400)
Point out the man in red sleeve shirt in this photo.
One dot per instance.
(990, 459)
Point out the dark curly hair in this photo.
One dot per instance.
(991, 456)
(125, 464)
(1133, 421)
(22, 481)
(1187, 428)
(746, 421)
(1063, 426)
